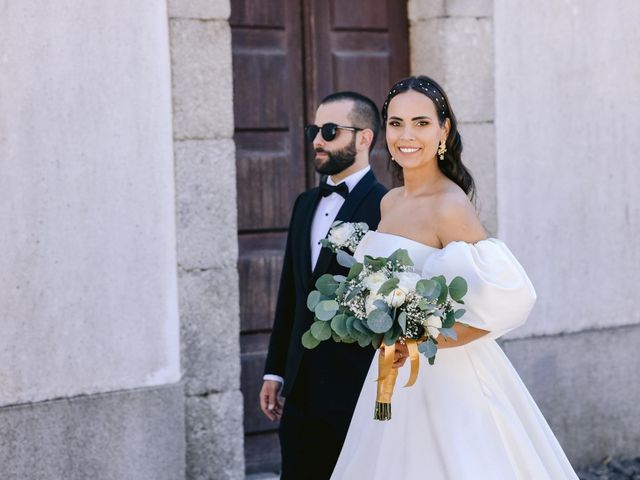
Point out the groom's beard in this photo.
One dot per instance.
(338, 160)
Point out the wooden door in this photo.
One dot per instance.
(288, 55)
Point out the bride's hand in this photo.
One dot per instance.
(400, 355)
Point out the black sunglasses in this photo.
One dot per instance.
(328, 130)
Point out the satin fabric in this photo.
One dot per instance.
(469, 416)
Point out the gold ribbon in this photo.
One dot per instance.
(385, 364)
(414, 357)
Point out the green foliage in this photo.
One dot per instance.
(444, 291)
(401, 256)
(355, 271)
(429, 289)
(326, 309)
(321, 331)
(428, 348)
(313, 299)
(339, 325)
(458, 289)
(402, 321)
(354, 292)
(379, 321)
(449, 320)
(387, 287)
(375, 263)
(344, 259)
(309, 341)
(449, 333)
(327, 285)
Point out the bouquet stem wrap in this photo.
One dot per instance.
(387, 376)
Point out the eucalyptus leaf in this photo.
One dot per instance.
(375, 263)
(381, 305)
(354, 292)
(458, 288)
(339, 325)
(348, 339)
(313, 299)
(449, 320)
(354, 271)
(459, 313)
(402, 257)
(321, 330)
(425, 306)
(402, 321)
(379, 321)
(309, 341)
(327, 285)
(376, 340)
(449, 333)
(444, 291)
(339, 278)
(350, 330)
(428, 288)
(364, 340)
(390, 337)
(344, 259)
(387, 287)
(326, 309)
(428, 348)
(361, 327)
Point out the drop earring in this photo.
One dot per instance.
(442, 149)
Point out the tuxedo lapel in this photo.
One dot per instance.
(354, 199)
(303, 245)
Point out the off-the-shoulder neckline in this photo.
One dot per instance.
(429, 246)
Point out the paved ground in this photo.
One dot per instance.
(609, 469)
(613, 469)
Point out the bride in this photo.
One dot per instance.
(469, 416)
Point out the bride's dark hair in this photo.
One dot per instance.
(451, 165)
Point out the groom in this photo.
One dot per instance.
(321, 386)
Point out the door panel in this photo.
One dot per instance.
(288, 55)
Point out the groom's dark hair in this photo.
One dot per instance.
(364, 114)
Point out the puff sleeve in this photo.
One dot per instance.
(500, 295)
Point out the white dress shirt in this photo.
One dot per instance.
(324, 216)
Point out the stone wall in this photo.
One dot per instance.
(546, 99)
(207, 236)
(89, 350)
(566, 125)
(452, 42)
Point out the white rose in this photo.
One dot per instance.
(396, 298)
(374, 281)
(433, 323)
(364, 228)
(408, 281)
(368, 303)
(341, 233)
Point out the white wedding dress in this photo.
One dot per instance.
(469, 416)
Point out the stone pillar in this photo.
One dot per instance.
(452, 42)
(207, 236)
(89, 348)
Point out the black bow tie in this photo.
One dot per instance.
(340, 189)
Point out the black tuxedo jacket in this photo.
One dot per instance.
(332, 372)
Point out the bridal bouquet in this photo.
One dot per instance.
(382, 300)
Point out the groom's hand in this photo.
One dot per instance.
(270, 404)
